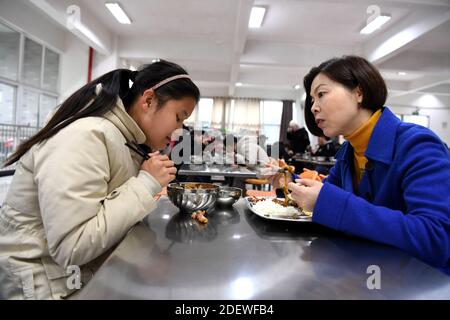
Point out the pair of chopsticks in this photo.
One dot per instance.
(136, 149)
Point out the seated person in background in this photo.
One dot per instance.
(253, 154)
(230, 151)
(279, 150)
(298, 138)
(199, 141)
(244, 150)
(326, 148)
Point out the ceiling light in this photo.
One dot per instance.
(155, 60)
(118, 12)
(375, 24)
(401, 73)
(256, 17)
(238, 84)
(297, 87)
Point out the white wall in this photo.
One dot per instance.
(437, 107)
(439, 120)
(74, 66)
(105, 63)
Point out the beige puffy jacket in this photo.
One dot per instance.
(71, 200)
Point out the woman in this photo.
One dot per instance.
(391, 181)
(78, 188)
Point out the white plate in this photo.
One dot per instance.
(300, 218)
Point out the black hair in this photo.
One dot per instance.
(86, 103)
(351, 72)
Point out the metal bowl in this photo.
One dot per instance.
(192, 196)
(228, 195)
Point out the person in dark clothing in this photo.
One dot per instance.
(298, 138)
(327, 148)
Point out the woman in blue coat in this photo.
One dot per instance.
(391, 181)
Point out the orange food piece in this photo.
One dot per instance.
(311, 174)
(199, 216)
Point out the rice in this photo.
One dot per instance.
(268, 207)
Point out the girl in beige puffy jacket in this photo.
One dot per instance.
(78, 188)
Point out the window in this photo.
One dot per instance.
(28, 97)
(9, 52)
(32, 63)
(204, 112)
(46, 106)
(27, 112)
(7, 102)
(271, 119)
(51, 68)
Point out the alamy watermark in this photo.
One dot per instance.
(374, 280)
(198, 147)
(73, 18)
(74, 279)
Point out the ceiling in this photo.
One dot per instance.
(211, 39)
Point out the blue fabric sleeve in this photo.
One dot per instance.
(424, 229)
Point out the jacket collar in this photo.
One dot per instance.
(381, 143)
(123, 121)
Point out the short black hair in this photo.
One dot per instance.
(351, 72)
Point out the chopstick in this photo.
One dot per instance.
(137, 150)
(145, 156)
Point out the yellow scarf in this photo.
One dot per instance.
(359, 140)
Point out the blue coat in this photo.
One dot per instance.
(403, 199)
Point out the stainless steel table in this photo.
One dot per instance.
(239, 255)
(314, 162)
(216, 170)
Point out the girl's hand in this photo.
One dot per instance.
(160, 167)
(305, 192)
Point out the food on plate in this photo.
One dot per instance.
(199, 215)
(268, 207)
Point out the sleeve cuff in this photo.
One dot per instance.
(149, 182)
(330, 206)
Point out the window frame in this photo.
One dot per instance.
(20, 85)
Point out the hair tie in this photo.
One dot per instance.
(98, 88)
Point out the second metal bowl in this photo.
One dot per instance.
(228, 195)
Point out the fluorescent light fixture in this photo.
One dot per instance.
(375, 24)
(238, 84)
(155, 60)
(256, 17)
(118, 12)
(401, 73)
(297, 87)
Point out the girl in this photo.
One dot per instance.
(78, 188)
(391, 181)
